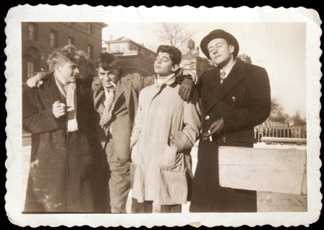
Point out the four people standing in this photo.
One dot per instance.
(235, 97)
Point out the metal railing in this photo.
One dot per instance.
(284, 134)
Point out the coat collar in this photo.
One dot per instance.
(55, 93)
(123, 86)
(126, 85)
(168, 80)
(234, 77)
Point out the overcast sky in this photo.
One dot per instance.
(278, 47)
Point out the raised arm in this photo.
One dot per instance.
(37, 79)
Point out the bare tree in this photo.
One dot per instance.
(297, 120)
(175, 34)
(277, 112)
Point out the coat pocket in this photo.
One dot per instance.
(168, 158)
(171, 160)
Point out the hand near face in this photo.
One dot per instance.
(216, 127)
(58, 109)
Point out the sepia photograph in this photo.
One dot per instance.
(163, 120)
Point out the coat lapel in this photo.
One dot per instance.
(119, 91)
(127, 86)
(51, 87)
(221, 90)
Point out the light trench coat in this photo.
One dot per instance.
(162, 171)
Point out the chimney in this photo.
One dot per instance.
(197, 51)
(191, 44)
(110, 37)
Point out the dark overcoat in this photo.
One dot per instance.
(63, 164)
(243, 100)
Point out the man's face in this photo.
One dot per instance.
(163, 64)
(219, 51)
(68, 71)
(107, 77)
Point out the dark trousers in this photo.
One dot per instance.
(147, 207)
(119, 185)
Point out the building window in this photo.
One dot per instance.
(53, 38)
(90, 28)
(30, 69)
(90, 52)
(71, 41)
(32, 32)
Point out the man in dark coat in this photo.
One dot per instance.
(235, 97)
(61, 118)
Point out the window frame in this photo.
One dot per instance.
(54, 39)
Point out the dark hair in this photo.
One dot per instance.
(175, 54)
(107, 61)
(65, 54)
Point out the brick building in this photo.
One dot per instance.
(41, 38)
(133, 57)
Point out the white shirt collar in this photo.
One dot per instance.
(166, 80)
(228, 68)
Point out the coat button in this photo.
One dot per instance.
(207, 117)
(204, 138)
(224, 139)
(233, 98)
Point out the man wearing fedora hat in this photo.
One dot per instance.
(235, 97)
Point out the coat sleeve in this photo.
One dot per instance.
(191, 122)
(137, 123)
(147, 81)
(34, 120)
(200, 84)
(257, 108)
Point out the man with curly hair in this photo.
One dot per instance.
(64, 140)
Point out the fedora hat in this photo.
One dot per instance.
(219, 34)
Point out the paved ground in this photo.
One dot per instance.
(267, 201)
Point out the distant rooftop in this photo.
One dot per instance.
(123, 40)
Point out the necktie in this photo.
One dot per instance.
(222, 76)
(109, 106)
